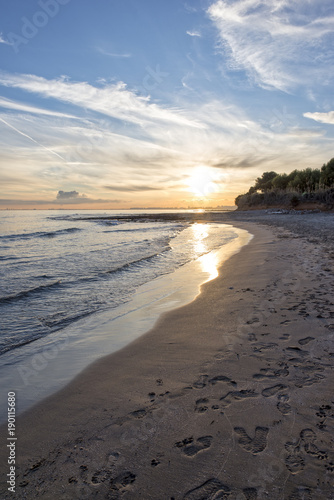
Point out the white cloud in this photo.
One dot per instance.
(113, 54)
(194, 33)
(321, 117)
(279, 44)
(2, 40)
(114, 100)
(18, 106)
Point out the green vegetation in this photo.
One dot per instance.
(311, 186)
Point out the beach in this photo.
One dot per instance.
(227, 397)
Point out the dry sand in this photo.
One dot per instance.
(229, 397)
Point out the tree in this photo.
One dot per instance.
(327, 174)
(264, 183)
(281, 181)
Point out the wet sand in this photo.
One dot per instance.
(230, 396)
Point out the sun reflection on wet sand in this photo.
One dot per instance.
(209, 264)
(208, 261)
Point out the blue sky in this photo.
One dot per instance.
(120, 103)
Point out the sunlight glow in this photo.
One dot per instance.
(202, 181)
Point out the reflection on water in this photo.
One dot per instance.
(208, 261)
(199, 235)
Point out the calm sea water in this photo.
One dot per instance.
(56, 268)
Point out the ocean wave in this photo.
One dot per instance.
(144, 229)
(18, 343)
(49, 325)
(137, 262)
(8, 257)
(26, 293)
(128, 266)
(40, 234)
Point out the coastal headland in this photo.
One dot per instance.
(229, 396)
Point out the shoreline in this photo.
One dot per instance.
(221, 396)
(48, 364)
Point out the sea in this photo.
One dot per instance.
(75, 286)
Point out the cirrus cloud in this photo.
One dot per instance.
(114, 100)
(278, 44)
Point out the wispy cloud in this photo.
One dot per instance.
(194, 33)
(279, 44)
(2, 40)
(190, 8)
(114, 100)
(321, 117)
(26, 108)
(131, 188)
(125, 55)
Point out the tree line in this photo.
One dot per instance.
(302, 185)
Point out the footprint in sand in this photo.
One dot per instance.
(305, 341)
(308, 436)
(271, 373)
(294, 461)
(201, 382)
(222, 378)
(283, 405)
(306, 444)
(255, 445)
(323, 413)
(301, 493)
(262, 346)
(213, 489)
(252, 321)
(271, 391)
(297, 350)
(122, 482)
(232, 396)
(191, 448)
(100, 476)
(139, 413)
(308, 380)
(201, 405)
(285, 336)
(252, 337)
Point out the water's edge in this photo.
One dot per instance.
(47, 365)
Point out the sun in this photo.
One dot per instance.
(202, 181)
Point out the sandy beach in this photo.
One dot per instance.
(228, 397)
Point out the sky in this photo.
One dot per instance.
(119, 104)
